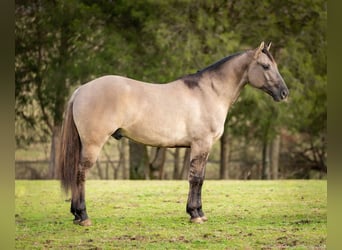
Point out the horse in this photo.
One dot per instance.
(187, 112)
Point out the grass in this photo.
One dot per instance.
(151, 215)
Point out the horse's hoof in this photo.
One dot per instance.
(197, 220)
(77, 222)
(85, 223)
(204, 218)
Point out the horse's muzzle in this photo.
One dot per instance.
(278, 94)
(283, 93)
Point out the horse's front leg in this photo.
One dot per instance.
(198, 160)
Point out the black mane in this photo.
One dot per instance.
(217, 65)
(192, 80)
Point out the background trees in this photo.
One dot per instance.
(62, 44)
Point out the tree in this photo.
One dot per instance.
(138, 161)
(299, 34)
(224, 154)
(157, 164)
(55, 46)
(309, 103)
(62, 44)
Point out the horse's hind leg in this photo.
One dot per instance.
(89, 155)
(78, 208)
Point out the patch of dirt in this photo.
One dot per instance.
(130, 238)
(179, 239)
(301, 222)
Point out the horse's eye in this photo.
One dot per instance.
(265, 66)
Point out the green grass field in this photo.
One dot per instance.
(151, 215)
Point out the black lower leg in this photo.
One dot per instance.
(81, 206)
(196, 178)
(73, 210)
(81, 209)
(199, 209)
(78, 207)
(194, 204)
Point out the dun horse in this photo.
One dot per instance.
(188, 112)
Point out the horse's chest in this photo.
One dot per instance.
(210, 128)
(214, 123)
(219, 133)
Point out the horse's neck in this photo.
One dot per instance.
(232, 77)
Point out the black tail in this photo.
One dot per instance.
(69, 152)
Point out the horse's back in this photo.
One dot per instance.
(108, 84)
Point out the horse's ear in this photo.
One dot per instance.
(269, 46)
(257, 52)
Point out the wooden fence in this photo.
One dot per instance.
(112, 169)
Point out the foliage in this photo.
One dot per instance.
(151, 215)
(61, 44)
(299, 36)
(52, 41)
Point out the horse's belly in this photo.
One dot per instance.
(159, 135)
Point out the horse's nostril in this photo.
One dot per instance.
(283, 94)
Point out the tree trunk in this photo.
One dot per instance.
(186, 164)
(224, 161)
(176, 165)
(138, 161)
(157, 165)
(122, 157)
(274, 157)
(265, 161)
(54, 152)
(121, 165)
(99, 170)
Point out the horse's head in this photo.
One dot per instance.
(263, 74)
